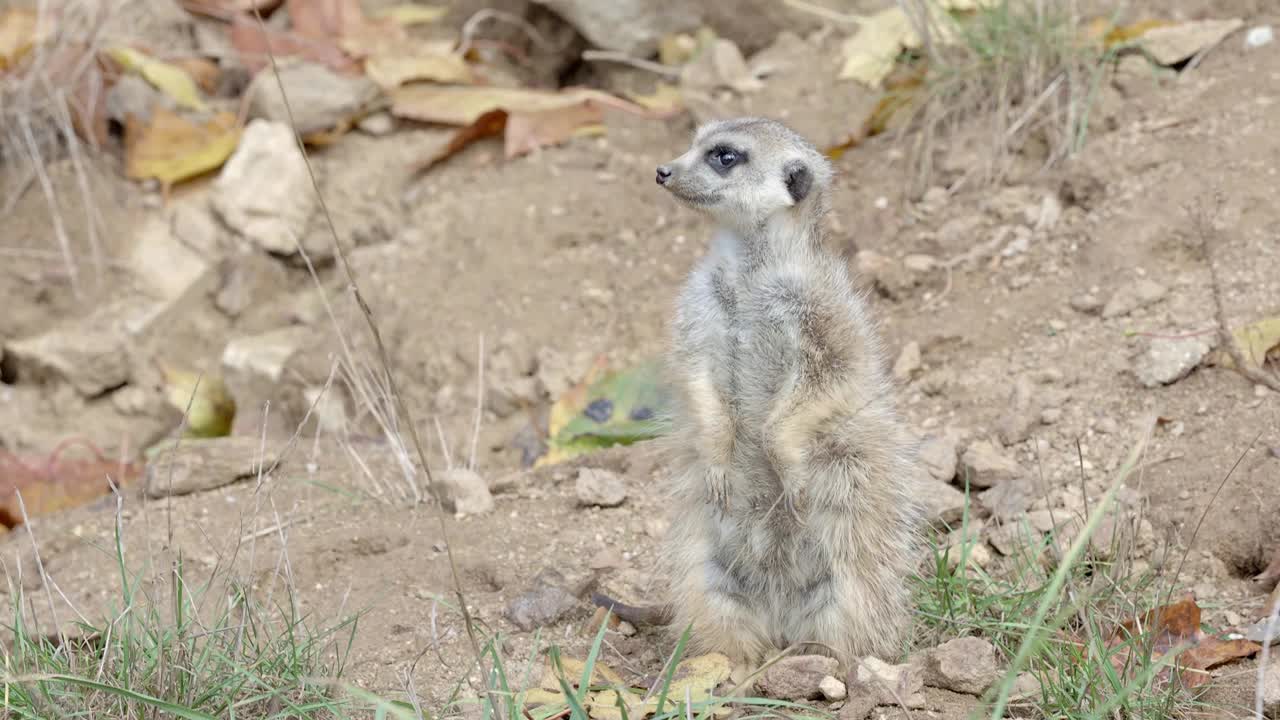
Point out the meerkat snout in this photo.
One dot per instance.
(664, 174)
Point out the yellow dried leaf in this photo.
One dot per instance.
(212, 409)
(601, 674)
(391, 70)
(536, 697)
(18, 34)
(169, 79)
(409, 14)
(603, 705)
(1255, 340)
(870, 53)
(664, 98)
(171, 148)
(463, 104)
(1120, 35)
(695, 679)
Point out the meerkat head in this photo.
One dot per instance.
(746, 171)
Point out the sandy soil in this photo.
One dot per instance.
(571, 253)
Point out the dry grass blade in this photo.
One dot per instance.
(1014, 72)
(388, 373)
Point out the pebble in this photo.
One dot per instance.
(543, 604)
(602, 488)
(920, 263)
(833, 689)
(939, 455)
(797, 678)
(1086, 304)
(464, 492)
(909, 361)
(264, 192)
(1107, 426)
(1133, 296)
(985, 466)
(1259, 36)
(887, 684)
(1166, 360)
(965, 665)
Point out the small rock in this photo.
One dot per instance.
(1011, 498)
(1166, 360)
(886, 684)
(1050, 212)
(632, 27)
(195, 227)
(1021, 413)
(1132, 297)
(249, 279)
(656, 527)
(1107, 426)
(464, 492)
(939, 455)
(965, 665)
(1050, 416)
(1172, 44)
(626, 629)
(600, 487)
(264, 190)
(377, 124)
(943, 504)
(1259, 36)
(919, 263)
(1025, 687)
(908, 362)
(200, 464)
(984, 466)
(976, 553)
(832, 689)
(1019, 244)
(1086, 304)
(263, 356)
(507, 395)
(330, 412)
(133, 97)
(320, 98)
(935, 198)
(890, 278)
(544, 603)
(797, 678)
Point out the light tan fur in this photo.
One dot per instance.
(796, 508)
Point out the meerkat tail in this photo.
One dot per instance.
(656, 615)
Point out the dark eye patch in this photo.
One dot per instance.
(722, 158)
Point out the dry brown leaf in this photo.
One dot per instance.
(664, 98)
(462, 104)
(325, 19)
(1172, 44)
(393, 67)
(171, 148)
(1175, 629)
(528, 131)
(252, 46)
(56, 482)
(168, 78)
(490, 124)
(205, 72)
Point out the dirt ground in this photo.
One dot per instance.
(572, 252)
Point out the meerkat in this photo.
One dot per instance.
(797, 512)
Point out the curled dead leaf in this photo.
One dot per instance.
(19, 32)
(1174, 629)
(57, 481)
(255, 47)
(170, 79)
(170, 148)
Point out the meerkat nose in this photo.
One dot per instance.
(664, 174)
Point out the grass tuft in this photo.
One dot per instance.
(1021, 76)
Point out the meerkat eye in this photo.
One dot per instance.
(723, 158)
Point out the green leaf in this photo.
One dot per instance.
(620, 408)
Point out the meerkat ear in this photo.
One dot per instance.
(799, 179)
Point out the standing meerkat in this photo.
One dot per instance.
(796, 482)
